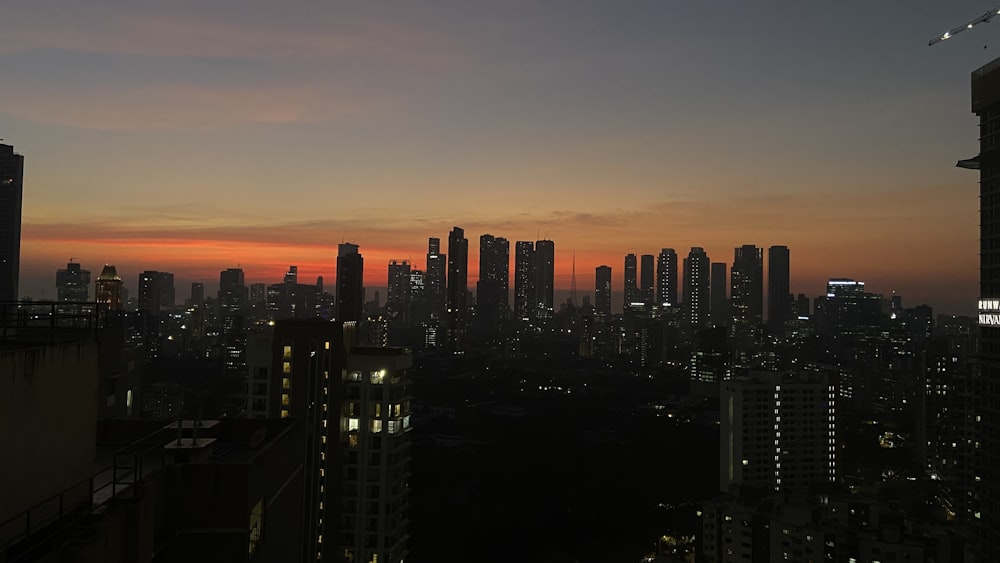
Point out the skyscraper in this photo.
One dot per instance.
(108, 289)
(524, 279)
(696, 287)
(545, 261)
(779, 298)
(747, 292)
(156, 291)
(350, 283)
(73, 283)
(233, 293)
(197, 294)
(458, 278)
(719, 308)
(602, 293)
(11, 178)
(631, 280)
(666, 277)
(436, 279)
(398, 300)
(986, 105)
(646, 277)
(493, 284)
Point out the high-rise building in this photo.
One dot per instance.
(719, 309)
(355, 404)
(399, 297)
(631, 280)
(493, 285)
(779, 432)
(197, 294)
(696, 287)
(156, 291)
(602, 293)
(350, 283)
(108, 289)
(666, 278)
(73, 283)
(545, 268)
(436, 279)
(524, 280)
(233, 293)
(779, 297)
(458, 278)
(292, 275)
(747, 292)
(986, 105)
(646, 277)
(11, 178)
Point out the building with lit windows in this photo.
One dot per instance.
(747, 291)
(545, 264)
(696, 287)
(666, 278)
(602, 293)
(108, 290)
(73, 284)
(778, 432)
(436, 279)
(524, 279)
(646, 278)
(631, 290)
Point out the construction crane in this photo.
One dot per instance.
(985, 18)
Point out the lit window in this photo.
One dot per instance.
(376, 426)
(284, 413)
(286, 352)
(286, 383)
(353, 423)
(256, 525)
(286, 367)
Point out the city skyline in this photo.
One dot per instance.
(195, 140)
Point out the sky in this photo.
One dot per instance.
(192, 137)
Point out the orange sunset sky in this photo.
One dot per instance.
(196, 137)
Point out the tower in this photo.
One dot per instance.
(545, 260)
(719, 308)
(524, 279)
(350, 283)
(73, 283)
(11, 178)
(747, 291)
(398, 300)
(492, 287)
(458, 282)
(108, 289)
(779, 299)
(602, 293)
(696, 287)
(646, 277)
(666, 277)
(631, 280)
(436, 279)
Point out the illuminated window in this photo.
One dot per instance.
(256, 525)
(376, 426)
(286, 383)
(284, 399)
(394, 426)
(284, 413)
(353, 423)
(376, 377)
(286, 352)
(286, 367)
(352, 441)
(327, 345)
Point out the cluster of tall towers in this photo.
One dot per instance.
(652, 280)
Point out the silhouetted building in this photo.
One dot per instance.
(631, 291)
(11, 178)
(493, 285)
(233, 293)
(156, 291)
(524, 280)
(747, 292)
(602, 293)
(350, 283)
(696, 287)
(986, 105)
(719, 308)
(399, 297)
(73, 283)
(646, 278)
(435, 279)
(666, 278)
(197, 294)
(545, 263)
(779, 297)
(458, 283)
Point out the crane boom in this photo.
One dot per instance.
(985, 18)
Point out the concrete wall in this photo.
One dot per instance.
(48, 413)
